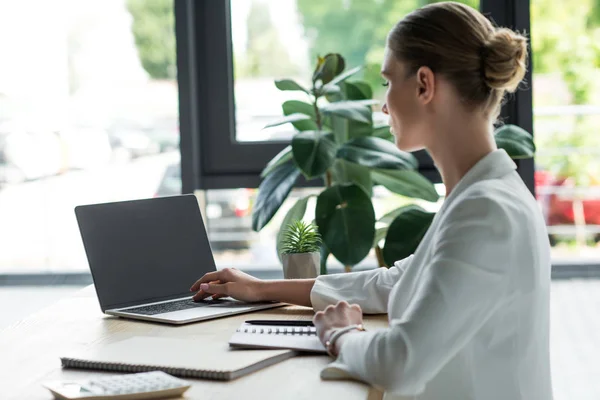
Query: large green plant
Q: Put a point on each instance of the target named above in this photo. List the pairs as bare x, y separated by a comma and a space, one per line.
338, 142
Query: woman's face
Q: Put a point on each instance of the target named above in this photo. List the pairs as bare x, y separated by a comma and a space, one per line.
404, 105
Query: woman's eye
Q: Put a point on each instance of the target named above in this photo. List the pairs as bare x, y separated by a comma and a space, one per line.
385, 83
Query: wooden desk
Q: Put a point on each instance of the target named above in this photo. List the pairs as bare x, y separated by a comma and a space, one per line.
30, 351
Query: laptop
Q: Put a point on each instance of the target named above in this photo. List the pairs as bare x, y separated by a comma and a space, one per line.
144, 255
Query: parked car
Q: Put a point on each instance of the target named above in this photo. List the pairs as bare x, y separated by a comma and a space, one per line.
135, 138
227, 214
165, 132
557, 201
28, 153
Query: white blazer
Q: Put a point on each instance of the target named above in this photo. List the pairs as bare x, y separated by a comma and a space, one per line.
468, 311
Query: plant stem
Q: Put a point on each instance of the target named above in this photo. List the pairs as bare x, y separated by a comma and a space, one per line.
317, 113
379, 255
328, 178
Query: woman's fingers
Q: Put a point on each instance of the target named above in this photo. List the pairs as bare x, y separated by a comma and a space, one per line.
224, 275
201, 295
211, 276
216, 288
208, 289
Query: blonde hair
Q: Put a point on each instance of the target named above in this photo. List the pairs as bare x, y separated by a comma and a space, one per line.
481, 61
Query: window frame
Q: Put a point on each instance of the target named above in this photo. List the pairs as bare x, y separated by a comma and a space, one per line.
211, 157
518, 110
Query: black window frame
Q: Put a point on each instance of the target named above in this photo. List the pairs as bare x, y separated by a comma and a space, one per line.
211, 158
518, 110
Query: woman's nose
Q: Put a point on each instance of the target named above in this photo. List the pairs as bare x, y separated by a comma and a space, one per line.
384, 109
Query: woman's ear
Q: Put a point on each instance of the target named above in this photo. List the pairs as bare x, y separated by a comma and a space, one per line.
425, 84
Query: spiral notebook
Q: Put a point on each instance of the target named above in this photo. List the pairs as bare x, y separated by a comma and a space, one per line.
277, 334
204, 358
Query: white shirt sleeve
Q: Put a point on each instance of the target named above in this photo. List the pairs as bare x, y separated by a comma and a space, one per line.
458, 291
370, 289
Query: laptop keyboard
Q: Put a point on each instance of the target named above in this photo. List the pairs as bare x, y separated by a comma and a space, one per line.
183, 305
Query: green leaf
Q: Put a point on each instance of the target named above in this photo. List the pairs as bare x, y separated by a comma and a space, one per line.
300, 237
332, 89
375, 152
329, 90
391, 216
405, 233
300, 107
290, 118
329, 67
383, 132
288, 84
337, 89
354, 110
339, 126
379, 235
295, 213
314, 152
346, 221
345, 75
517, 142
272, 192
358, 90
296, 106
366, 102
345, 172
358, 129
333, 97
283, 156
406, 183
345, 129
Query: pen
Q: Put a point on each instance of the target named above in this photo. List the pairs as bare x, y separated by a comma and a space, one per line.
280, 322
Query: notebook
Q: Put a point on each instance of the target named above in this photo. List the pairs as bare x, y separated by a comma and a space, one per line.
280, 334
188, 358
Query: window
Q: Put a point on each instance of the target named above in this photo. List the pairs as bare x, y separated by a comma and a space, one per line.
566, 115
259, 41
273, 39
88, 114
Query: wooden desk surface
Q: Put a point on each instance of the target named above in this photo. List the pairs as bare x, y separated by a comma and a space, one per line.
30, 351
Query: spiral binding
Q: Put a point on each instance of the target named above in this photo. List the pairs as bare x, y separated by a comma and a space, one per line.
120, 367
309, 331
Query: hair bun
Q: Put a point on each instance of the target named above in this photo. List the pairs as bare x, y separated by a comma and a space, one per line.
504, 59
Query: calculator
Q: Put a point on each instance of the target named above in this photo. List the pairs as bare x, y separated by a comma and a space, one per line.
146, 385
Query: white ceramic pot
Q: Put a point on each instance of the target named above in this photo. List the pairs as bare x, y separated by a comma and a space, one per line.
301, 265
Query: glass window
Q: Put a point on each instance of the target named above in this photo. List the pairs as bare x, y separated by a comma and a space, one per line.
566, 60
274, 39
88, 114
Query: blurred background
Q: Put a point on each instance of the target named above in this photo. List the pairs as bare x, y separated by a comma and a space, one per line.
89, 114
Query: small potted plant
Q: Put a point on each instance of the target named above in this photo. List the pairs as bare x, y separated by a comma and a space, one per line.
300, 251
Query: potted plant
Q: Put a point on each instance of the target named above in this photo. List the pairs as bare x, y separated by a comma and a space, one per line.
338, 145
300, 251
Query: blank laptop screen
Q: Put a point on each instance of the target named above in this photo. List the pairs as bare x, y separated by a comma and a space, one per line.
144, 250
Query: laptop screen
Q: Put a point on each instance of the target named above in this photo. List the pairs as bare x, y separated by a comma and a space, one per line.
144, 250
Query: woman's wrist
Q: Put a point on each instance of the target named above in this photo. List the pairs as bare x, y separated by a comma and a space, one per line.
337, 335
293, 291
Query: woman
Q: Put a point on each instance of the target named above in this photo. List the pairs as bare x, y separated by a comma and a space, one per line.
469, 310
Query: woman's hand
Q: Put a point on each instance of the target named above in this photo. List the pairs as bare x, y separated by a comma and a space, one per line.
228, 282
336, 317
